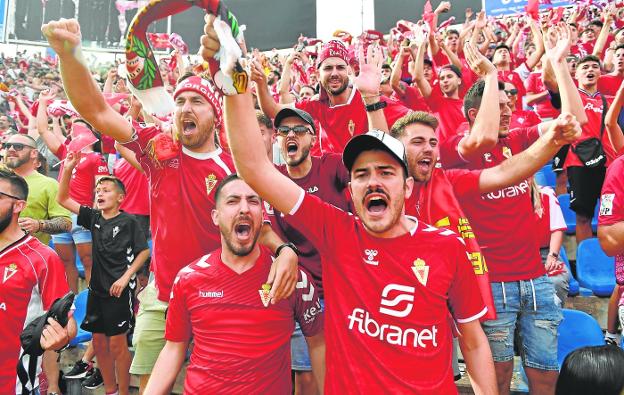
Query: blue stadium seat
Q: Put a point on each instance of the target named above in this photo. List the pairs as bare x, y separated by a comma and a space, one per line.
594, 222
568, 215
595, 270
578, 329
79, 314
574, 285
546, 177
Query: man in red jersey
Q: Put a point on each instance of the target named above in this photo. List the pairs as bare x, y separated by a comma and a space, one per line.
182, 181
389, 279
33, 277
339, 108
608, 84
241, 342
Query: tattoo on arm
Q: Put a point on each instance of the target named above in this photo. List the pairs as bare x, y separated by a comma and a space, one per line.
403, 87
56, 225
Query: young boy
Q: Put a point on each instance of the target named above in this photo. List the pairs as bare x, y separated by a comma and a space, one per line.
119, 251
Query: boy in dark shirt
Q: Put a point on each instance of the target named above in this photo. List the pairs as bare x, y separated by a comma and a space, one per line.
119, 251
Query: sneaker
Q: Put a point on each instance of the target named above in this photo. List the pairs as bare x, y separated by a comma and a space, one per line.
94, 381
80, 370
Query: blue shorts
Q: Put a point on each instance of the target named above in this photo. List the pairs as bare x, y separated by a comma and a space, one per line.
78, 234
299, 356
531, 306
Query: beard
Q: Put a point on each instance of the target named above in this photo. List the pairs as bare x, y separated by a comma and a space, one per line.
305, 152
337, 91
6, 220
15, 162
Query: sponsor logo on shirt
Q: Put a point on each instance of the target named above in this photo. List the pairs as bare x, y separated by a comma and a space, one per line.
308, 288
313, 189
606, 204
9, 272
310, 314
589, 106
512, 191
370, 257
211, 294
396, 306
487, 156
174, 163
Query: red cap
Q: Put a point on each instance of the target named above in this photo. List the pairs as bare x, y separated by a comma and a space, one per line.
333, 49
204, 88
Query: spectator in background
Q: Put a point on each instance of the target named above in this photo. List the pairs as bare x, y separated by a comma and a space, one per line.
519, 117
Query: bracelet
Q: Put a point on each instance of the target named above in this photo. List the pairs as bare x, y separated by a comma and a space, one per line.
380, 105
289, 245
553, 254
40, 226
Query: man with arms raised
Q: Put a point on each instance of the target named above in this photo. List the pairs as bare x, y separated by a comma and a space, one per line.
182, 182
241, 342
389, 314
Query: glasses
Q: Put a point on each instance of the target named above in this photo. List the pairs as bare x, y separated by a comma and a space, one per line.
299, 130
10, 196
16, 146
511, 92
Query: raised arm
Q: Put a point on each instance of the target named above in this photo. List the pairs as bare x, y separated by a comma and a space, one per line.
601, 41
419, 62
265, 99
84, 94
557, 44
484, 130
368, 82
564, 130
48, 137
284, 84
611, 120
63, 197
538, 41
399, 86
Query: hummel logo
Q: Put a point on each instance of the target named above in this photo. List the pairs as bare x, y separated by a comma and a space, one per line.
211, 294
115, 231
122, 323
370, 257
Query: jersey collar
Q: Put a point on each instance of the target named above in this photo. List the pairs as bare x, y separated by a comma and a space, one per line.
202, 155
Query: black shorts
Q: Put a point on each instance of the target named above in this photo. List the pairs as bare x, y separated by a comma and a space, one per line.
585, 186
109, 315
559, 159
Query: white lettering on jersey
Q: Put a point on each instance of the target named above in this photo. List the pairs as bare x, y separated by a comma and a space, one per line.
606, 204
589, 106
406, 294
304, 284
512, 191
370, 257
211, 294
313, 189
392, 334
312, 312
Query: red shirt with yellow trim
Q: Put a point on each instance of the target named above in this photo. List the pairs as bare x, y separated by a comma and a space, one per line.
387, 326
33, 277
240, 346
182, 191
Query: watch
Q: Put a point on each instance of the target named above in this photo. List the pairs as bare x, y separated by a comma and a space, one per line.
553, 254
289, 245
376, 106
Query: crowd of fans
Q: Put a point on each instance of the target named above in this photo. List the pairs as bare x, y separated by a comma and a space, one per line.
428, 122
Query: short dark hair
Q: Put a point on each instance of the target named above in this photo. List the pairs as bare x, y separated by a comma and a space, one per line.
473, 97
502, 46
621, 46
116, 181
228, 179
592, 370
386, 66
596, 22
263, 119
19, 186
428, 62
415, 117
185, 76
451, 31
587, 59
453, 68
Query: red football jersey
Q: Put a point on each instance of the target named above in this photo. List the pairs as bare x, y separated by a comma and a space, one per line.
544, 108
609, 84
137, 188
503, 221
33, 277
412, 99
612, 201
82, 182
182, 198
388, 302
343, 121
448, 111
551, 218
523, 119
593, 109
240, 346
514, 78
328, 179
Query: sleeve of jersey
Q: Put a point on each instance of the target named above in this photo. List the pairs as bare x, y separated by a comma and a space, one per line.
320, 222
465, 182
464, 296
178, 326
393, 111
61, 153
557, 222
449, 152
85, 216
53, 284
612, 195
143, 133
308, 311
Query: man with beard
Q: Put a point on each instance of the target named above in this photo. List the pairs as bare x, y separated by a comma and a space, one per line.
33, 277
339, 108
325, 177
182, 181
42, 217
377, 265
241, 342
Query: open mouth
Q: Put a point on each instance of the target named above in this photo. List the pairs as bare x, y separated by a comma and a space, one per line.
376, 204
100, 201
242, 230
424, 165
188, 127
291, 147
591, 76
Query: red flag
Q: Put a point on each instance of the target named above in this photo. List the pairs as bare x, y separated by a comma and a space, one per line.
428, 14
557, 15
532, 9
114, 98
82, 137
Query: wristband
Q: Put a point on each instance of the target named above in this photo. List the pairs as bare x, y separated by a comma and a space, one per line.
553, 254
376, 106
289, 245
65, 347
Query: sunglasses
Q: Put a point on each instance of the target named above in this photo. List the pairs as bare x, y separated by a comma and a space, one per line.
11, 196
511, 92
16, 146
299, 130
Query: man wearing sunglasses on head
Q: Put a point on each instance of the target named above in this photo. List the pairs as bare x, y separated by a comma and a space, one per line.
519, 118
325, 177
